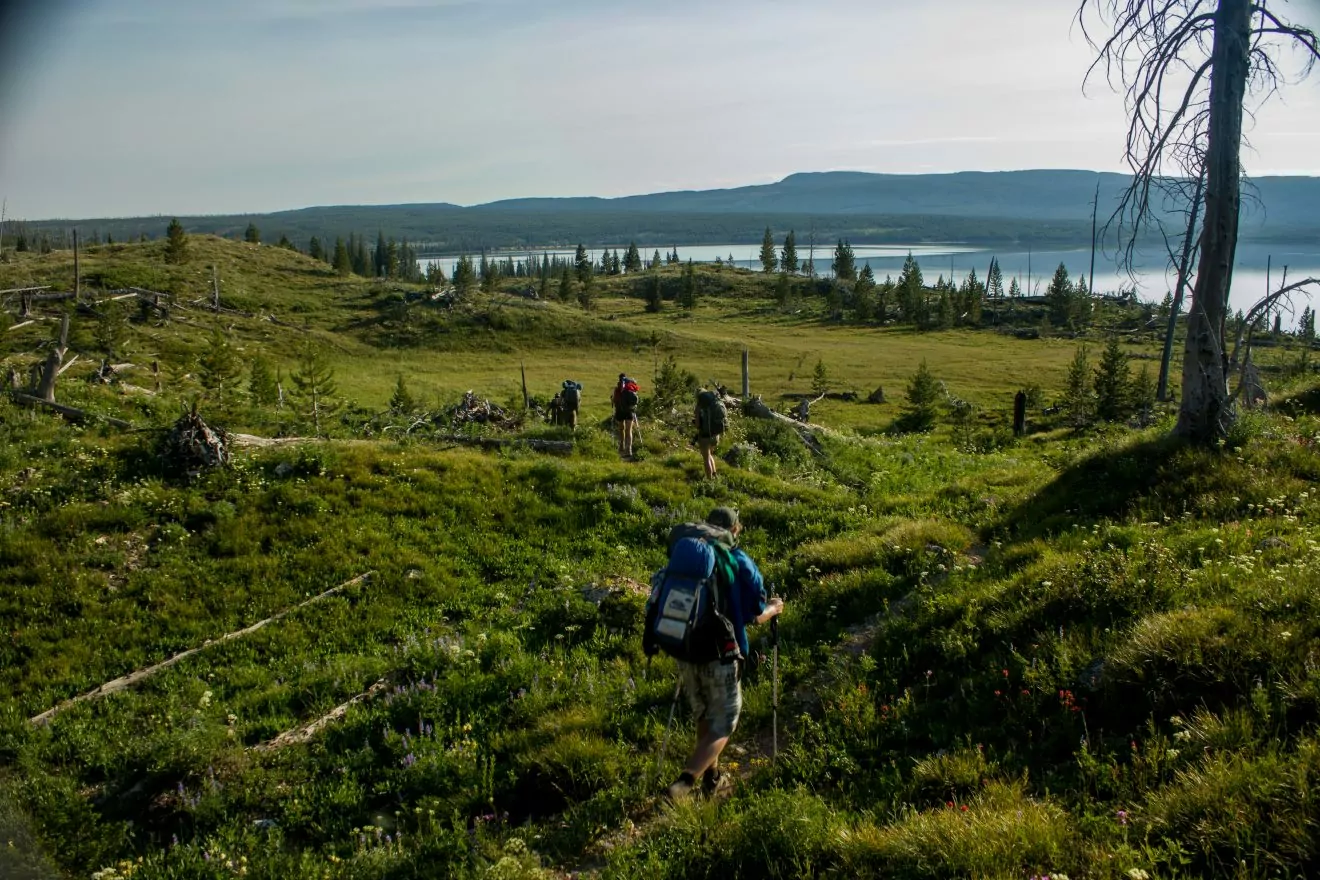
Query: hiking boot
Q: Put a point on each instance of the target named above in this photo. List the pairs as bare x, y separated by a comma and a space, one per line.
715, 784
681, 788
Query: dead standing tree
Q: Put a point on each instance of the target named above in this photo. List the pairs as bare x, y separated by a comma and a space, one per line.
1188, 67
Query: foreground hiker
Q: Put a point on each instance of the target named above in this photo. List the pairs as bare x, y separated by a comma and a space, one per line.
712, 418
625, 399
570, 397
700, 605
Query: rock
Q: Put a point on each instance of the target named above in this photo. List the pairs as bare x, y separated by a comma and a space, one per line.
876, 396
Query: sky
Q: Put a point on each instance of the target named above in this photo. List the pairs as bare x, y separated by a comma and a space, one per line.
176, 107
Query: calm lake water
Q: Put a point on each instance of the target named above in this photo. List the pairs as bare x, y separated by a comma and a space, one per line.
1033, 269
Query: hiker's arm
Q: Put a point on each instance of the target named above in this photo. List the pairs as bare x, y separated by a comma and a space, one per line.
772, 609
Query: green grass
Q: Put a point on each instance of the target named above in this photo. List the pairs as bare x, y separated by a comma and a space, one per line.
1079, 653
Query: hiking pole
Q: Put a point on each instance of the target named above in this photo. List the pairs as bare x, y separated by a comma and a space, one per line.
774, 699
664, 744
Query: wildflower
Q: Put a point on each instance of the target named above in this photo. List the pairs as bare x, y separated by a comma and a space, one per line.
964, 808
1122, 817
1137, 874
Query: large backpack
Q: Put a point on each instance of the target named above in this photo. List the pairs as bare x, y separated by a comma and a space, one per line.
712, 417
571, 396
628, 396
687, 615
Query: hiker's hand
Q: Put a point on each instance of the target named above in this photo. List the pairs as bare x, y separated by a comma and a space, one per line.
773, 609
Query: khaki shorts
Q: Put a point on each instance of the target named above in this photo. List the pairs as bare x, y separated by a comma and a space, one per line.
715, 694
705, 443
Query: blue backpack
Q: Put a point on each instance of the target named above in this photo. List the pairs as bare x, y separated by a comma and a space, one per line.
687, 613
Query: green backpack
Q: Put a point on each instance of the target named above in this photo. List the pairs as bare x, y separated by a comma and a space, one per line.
712, 417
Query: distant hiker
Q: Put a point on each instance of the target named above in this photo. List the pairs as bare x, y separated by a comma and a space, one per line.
700, 605
625, 399
556, 410
570, 398
712, 418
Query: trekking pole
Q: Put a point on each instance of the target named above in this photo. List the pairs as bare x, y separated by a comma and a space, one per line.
664, 744
774, 699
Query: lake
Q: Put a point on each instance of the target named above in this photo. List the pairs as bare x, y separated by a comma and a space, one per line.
1033, 269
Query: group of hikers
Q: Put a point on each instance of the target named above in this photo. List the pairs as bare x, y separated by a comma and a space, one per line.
710, 416
702, 600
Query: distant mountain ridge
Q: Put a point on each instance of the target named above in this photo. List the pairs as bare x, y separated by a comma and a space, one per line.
1036, 206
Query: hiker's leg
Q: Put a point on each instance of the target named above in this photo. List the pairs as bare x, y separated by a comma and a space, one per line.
723, 705
707, 753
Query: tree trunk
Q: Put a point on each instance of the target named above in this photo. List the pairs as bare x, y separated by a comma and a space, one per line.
51, 370
1206, 411
1162, 389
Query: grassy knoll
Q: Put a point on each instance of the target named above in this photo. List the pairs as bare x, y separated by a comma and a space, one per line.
1079, 653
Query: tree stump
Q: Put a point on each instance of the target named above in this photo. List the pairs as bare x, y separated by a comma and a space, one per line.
192, 446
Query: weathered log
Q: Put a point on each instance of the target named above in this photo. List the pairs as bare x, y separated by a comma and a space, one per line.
253, 441
757, 408
69, 412
302, 734
26, 323
51, 369
133, 678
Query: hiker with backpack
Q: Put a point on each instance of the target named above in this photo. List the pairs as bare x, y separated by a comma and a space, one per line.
570, 397
700, 605
712, 418
625, 400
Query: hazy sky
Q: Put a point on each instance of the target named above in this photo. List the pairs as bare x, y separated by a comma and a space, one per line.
213, 106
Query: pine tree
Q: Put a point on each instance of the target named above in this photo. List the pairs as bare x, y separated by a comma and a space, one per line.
994, 281
262, 385
1143, 395
565, 285
379, 256
586, 295
784, 292
217, 368
655, 259
970, 299
769, 262
1113, 384
314, 249
110, 329
864, 295
361, 261
252, 235
820, 378
845, 264
1078, 396
789, 260
911, 291
343, 264
632, 260
286, 244
673, 256
1059, 298
176, 243
923, 395
402, 400
314, 386
1014, 292
464, 275
654, 294
687, 295
582, 262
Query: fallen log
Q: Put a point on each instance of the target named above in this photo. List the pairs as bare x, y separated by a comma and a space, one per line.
69, 412
501, 442
253, 441
757, 408
133, 678
26, 323
303, 734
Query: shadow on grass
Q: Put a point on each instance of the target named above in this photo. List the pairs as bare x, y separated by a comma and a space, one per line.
1112, 484
1303, 402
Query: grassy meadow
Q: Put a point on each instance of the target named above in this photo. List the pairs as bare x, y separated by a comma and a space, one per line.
1089, 654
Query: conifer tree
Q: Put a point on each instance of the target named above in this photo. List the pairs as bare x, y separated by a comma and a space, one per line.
820, 378
1059, 298
314, 386
262, 385
586, 295
864, 295
176, 243
380, 261
1143, 395
1113, 384
632, 260
1014, 292
687, 294
401, 401
655, 259
582, 262
845, 264
252, 235
464, 275
923, 395
217, 368
343, 264
994, 281
673, 256
789, 261
911, 291
1078, 395
565, 285
654, 294
314, 249
768, 259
